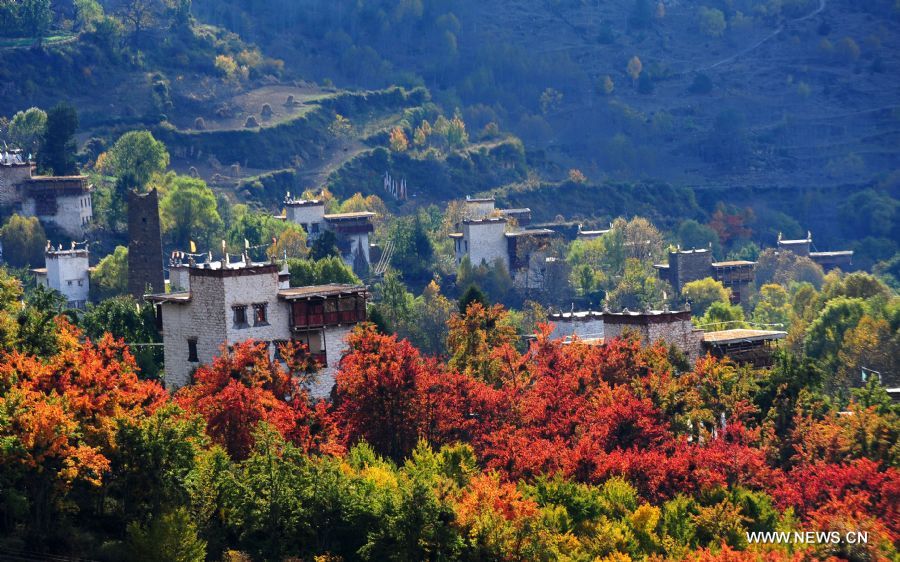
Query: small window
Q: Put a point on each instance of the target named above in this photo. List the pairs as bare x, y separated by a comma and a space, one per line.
278, 345
240, 315
69, 282
304, 226
260, 314
192, 350
81, 282
314, 228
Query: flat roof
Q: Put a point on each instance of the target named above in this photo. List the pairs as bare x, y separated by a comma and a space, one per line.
733, 263
177, 298
479, 199
533, 232
484, 220
455, 235
739, 335
328, 290
803, 241
578, 314
835, 254
346, 216
516, 211
592, 232
304, 202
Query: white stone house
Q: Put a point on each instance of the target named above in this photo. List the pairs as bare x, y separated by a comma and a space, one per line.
227, 304
68, 272
352, 230
61, 201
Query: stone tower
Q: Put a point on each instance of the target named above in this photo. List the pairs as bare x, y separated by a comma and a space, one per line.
145, 260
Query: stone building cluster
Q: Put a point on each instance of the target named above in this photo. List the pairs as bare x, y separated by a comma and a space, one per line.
220, 303
828, 260
63, 202
690, 265
487, 235
351, 230
673, 328
685, 266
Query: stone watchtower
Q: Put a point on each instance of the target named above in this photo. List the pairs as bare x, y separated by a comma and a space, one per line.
145, 259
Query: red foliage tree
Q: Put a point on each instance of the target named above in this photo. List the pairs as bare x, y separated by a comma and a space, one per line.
245, 386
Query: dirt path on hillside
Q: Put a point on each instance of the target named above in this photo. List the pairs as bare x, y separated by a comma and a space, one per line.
314, 175
765, 39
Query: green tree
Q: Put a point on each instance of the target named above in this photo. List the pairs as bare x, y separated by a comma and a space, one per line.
428, 329
87, 14
170, 537
331, 269
110, 277
57, 152
396, 302
133, 322
37, 328
456, 132
722, 316
258, 228
24, 241
711, 21
10, 305
825, 335
27, 129
413, 253
638, 288
774, 306
35, 17
136, 156
692, 234
472, 294
702, 293
324, 245
188, 211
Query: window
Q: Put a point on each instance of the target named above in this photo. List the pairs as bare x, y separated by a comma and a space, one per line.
314, 228
278, 345
69, 282
260, 316
81, 282
192, 350
304, 226
240, 315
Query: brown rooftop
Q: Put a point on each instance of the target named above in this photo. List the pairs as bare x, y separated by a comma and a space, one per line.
741, 335
350, 216
313, 291
177, 298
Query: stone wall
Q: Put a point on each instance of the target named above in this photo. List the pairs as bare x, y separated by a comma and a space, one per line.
11, 179
67, 272
335, 347
179, 278
586, 325
72, 214
486, 241
479, 208
308, 215
145, 261
687, 266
